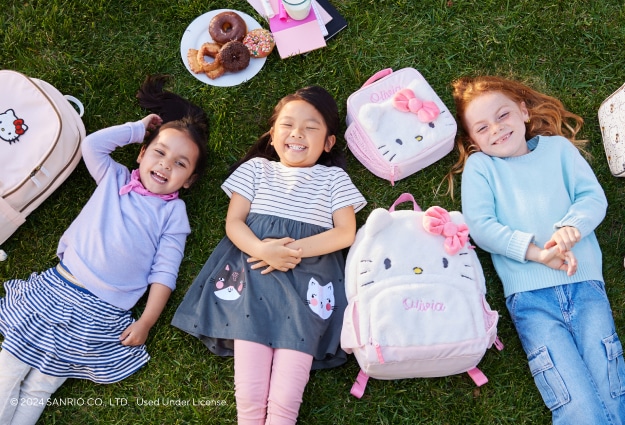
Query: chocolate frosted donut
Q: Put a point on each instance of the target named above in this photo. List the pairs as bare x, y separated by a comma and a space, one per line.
234, 56
227, 26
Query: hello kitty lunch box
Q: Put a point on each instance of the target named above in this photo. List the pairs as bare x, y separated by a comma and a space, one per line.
397, 125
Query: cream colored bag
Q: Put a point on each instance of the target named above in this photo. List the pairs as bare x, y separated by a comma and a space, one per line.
612, 122
40, 136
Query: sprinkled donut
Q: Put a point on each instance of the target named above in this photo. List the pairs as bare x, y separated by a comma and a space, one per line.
259, 42
234, 56
227, 26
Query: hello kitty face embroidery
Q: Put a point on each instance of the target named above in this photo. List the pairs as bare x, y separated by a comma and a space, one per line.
413, 251
229, 284
368, 267
407, 123
11, 127
320, 299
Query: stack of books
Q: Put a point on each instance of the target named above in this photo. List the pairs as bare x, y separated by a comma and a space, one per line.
296, 37
332, 19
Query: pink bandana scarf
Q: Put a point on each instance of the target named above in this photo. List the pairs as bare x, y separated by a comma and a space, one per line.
135, 184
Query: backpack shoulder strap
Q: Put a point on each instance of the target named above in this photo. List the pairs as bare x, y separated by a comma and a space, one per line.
404, 197
478, 376
358, 389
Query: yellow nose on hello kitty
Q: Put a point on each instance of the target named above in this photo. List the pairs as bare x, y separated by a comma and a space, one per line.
417, 270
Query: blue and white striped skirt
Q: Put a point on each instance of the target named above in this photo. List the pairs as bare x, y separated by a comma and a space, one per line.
63, 330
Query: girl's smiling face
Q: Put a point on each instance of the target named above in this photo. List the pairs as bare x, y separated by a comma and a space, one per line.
299, 135
496, 125
168, 163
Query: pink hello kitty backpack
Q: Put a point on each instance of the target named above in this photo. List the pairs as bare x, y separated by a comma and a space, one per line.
397, 125
40, 135
416, 297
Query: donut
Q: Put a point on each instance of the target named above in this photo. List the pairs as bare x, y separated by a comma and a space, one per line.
259, 42
227, 26
216, 73
234, 56
208, 49
193, 63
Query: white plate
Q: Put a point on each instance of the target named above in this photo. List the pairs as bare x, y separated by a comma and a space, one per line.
197, 34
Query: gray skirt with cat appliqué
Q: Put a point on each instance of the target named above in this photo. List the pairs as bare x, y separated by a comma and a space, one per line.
301, 309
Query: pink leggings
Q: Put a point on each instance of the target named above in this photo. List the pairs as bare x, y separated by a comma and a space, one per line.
269, 383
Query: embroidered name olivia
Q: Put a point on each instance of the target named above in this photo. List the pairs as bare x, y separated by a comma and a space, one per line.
420, 305
383, 94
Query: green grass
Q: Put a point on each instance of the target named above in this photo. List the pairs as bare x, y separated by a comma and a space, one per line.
100, 51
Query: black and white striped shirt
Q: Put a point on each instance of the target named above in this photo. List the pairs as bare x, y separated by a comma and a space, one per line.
309, 194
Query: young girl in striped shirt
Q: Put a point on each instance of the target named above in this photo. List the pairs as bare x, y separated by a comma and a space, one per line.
74, 320
272, 291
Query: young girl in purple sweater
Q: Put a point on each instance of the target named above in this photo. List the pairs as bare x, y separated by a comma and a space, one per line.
73, 320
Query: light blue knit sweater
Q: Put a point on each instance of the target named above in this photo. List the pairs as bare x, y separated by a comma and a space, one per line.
510, 202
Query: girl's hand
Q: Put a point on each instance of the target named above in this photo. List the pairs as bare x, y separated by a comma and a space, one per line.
564, 239
276, 256
559, 261
135, 334
151, 123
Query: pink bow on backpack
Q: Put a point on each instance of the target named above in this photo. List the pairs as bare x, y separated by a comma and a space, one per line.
406, 101
436, 220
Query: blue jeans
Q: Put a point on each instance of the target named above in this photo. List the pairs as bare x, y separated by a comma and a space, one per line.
574, 353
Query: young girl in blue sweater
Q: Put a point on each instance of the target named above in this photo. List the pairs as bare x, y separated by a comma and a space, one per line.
533, 202
74, 320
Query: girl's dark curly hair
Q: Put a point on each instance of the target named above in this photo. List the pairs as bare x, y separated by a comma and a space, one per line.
177, 113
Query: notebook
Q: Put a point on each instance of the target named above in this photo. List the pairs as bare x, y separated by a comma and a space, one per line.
296, 37
333, 20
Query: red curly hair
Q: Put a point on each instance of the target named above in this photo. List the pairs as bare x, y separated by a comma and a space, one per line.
548, 117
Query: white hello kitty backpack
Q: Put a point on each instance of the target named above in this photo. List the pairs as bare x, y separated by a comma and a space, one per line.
416, 297
397, 125
40, 136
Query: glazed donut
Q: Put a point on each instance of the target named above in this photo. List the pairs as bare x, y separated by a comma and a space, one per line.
234, 56
208, 49
216, 73
227, 26
259, 42
193, 63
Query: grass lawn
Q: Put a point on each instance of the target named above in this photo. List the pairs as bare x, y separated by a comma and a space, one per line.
100, 51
